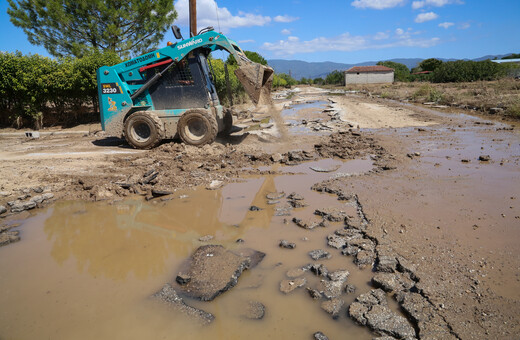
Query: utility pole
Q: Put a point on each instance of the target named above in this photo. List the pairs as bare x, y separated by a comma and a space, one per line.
193, 18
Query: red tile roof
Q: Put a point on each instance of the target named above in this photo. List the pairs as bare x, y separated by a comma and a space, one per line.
362, 69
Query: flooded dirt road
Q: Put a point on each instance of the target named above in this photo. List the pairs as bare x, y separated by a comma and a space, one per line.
442, 223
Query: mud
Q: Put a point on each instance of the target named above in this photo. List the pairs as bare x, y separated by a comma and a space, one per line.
437, 228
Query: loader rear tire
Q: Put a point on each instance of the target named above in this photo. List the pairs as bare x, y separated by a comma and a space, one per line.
143, 130
197, 127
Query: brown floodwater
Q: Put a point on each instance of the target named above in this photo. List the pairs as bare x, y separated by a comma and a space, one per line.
87, 270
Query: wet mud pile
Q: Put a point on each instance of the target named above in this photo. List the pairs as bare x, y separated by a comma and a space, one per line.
174, 166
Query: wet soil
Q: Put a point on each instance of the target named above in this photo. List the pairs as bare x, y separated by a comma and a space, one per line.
427, 199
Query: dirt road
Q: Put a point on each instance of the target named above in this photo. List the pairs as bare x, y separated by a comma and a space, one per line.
442, 194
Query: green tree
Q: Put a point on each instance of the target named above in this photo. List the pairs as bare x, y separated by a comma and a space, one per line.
430, 64
512, 56
69, 27
289, 81
401, 71
335, 77
318, 81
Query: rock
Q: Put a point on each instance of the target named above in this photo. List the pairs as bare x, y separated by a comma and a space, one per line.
494, 110
319, 269
168, 295
183, 278
214, 185
3, 209
335, 241
386, 260
364, 258
297, 203
4, 194
295, 197
431, 325
37, 190
320, 336
275, 195
350, 288
287, 286
314, 293
7, 237
159, 193
318, 254
213, 270
253, 310
484, 158
331, 214
371, 309
101, 194
41, 198
389, 282
271, 202
206, 238
254, 256
465, 160
276, 157
333, 307
19, 206
335, 287
296, 272
318, 169
254, 208
286, 244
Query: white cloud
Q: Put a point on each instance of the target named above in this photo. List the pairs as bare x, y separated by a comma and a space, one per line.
207, 16
446, 25
285, 31
246, 41
464, 26
435, 3
381, 36
284, 18
348, 43
423, 17
377, 4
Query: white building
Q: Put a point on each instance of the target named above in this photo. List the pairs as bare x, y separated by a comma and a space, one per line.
369, 75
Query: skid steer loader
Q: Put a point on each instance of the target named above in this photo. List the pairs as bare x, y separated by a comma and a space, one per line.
171, 92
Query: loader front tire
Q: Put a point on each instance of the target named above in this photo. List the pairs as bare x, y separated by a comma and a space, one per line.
197, 127
143, 130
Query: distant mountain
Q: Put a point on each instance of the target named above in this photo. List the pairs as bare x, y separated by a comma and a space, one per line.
299, 69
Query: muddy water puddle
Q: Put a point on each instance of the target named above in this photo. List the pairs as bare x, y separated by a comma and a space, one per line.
87, 270
295, 114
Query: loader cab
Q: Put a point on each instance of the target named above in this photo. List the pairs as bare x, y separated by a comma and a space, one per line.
188, 84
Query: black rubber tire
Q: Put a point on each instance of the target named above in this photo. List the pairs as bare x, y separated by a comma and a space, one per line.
197, 127
143, 130
228, 122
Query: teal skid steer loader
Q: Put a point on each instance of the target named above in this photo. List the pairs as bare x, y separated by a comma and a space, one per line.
170, 92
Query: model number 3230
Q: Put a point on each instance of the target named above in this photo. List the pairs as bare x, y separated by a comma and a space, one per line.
110, 88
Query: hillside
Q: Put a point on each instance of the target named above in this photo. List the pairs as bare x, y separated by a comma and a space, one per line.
299, 68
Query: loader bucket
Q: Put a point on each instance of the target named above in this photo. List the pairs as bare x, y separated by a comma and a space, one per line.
257, 80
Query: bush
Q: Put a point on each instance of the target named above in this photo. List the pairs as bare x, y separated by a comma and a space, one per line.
466, 70
335, 78
34, 88
401, 71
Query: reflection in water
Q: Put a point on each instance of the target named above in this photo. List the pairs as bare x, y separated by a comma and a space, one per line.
137, 237
118, 255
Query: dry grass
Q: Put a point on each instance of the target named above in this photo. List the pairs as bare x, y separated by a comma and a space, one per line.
480, 96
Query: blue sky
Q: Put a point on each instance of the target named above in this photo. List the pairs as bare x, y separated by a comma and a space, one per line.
347, 31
